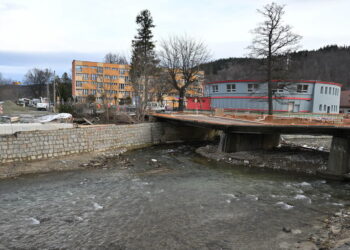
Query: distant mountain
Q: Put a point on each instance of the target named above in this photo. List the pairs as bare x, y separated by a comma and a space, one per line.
330, 63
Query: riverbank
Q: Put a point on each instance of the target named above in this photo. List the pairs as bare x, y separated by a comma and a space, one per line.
301, 154
66, 163
129, 201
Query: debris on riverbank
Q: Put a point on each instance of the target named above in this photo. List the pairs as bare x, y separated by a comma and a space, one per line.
302, 154
286, 157
72, 162
335, 233
102, 160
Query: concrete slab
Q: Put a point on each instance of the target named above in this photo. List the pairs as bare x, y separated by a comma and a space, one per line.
9, 129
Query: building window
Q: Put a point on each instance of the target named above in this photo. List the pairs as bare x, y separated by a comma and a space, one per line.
333, 91
231, 87
85, 91
79, 84
93, 77
122, 86
79, 68
100, 69
322, 90
252, 87
302, 88
326, 90
85, 76
320, 108
324, 107
215, 88
281, 87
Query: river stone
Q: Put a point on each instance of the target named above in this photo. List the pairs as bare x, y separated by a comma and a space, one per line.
296, 231
306, 245
335, 229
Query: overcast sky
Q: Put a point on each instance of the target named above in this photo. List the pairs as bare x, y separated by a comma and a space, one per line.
51, 33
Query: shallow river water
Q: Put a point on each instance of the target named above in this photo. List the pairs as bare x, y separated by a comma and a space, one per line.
178, 200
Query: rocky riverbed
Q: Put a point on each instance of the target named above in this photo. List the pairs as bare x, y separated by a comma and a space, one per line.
303, 154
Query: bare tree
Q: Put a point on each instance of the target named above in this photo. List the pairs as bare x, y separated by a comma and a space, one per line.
161, 85
272, 39
116, 58
39, 78
181, 57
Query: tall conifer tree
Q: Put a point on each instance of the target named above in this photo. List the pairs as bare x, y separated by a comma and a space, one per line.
143, 61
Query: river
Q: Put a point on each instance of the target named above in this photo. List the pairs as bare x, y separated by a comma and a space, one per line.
164, 197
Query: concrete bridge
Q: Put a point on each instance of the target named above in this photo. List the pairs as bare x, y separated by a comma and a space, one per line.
243, 135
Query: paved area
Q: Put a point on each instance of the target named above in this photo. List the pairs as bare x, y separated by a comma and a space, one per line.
9, 129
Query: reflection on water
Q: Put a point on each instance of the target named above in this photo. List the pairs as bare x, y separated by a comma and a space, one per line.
169, 199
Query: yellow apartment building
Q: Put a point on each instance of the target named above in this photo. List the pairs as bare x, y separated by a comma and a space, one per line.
106, 81
111, 82
196, 89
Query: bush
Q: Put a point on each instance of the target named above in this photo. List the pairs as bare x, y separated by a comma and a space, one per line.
66, 108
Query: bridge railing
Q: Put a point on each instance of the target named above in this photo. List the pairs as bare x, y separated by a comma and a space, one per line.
295, 118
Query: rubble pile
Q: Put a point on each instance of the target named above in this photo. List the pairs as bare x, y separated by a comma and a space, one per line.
102, 160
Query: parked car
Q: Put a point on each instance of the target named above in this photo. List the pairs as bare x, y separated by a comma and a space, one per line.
42, 106
155, 107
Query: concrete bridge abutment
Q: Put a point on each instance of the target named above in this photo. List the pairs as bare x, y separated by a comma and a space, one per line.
339, 156
235, 142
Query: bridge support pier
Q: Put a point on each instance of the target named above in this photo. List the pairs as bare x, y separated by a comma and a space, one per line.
339, 157
235, 142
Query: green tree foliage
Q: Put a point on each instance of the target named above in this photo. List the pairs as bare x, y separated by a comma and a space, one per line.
143, 61
64, 88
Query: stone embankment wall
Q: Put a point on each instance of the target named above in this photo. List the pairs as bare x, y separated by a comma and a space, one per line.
35, 145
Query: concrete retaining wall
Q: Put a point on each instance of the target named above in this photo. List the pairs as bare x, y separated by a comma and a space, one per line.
33, 145
9, 129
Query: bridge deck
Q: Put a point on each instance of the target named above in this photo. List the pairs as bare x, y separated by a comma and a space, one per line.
248, 126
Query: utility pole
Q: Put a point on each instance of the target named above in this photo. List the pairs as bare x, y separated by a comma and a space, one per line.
54, 91
48, 91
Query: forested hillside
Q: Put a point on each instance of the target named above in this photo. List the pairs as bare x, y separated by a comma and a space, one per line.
330, 63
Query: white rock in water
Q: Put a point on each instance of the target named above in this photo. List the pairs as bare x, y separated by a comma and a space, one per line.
154, 160
79, 218
246, 162
304, 184
231, 196
252, 197
97, 206
302, 197
34, 221
337, 204
284, 205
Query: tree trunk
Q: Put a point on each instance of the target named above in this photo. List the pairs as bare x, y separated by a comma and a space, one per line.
182, 99
269, 80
